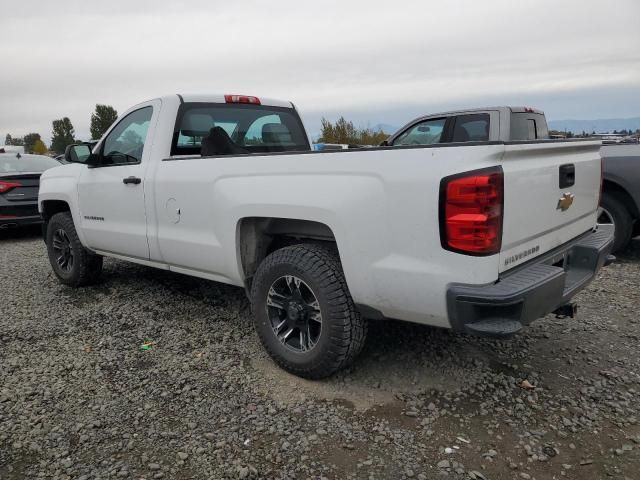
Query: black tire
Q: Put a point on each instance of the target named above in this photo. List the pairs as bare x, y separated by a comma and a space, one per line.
615, 212
85, 267
342, 330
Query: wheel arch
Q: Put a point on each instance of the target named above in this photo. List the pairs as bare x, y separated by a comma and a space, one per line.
48, 208
613, 188
257, 237
51, 206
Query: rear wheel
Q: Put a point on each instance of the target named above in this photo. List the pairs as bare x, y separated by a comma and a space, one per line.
303, 312
73, 264
613, 211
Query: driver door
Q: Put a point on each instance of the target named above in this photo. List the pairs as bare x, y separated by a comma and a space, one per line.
112, 193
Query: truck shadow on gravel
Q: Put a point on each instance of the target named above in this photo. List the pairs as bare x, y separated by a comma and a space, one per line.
399, 360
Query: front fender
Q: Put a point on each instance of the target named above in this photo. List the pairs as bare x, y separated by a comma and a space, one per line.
61, 184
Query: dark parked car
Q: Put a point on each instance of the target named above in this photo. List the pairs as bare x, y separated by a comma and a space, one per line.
19, 183
621, 191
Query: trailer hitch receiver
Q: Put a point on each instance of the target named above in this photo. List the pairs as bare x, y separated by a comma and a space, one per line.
567, 310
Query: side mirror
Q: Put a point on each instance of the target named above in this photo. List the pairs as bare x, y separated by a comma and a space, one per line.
384, 143
424, 128
77, 153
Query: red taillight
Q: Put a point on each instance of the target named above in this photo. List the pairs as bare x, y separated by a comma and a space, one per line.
6, 186
471, 211
241, 99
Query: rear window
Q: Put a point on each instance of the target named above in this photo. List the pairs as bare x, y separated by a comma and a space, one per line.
219, 129
11, 163
528, 126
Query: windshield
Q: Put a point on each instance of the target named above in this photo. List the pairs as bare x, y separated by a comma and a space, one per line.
11, 163
219, 129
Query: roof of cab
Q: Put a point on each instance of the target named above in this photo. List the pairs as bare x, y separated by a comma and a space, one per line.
487, 109
219, 98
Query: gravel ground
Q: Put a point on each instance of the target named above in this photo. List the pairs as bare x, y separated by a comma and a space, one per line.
80, 398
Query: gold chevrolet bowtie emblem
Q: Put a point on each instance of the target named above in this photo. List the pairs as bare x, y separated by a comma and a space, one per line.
566, 200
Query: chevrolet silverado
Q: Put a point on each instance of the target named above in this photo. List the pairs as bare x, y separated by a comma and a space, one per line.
483, 230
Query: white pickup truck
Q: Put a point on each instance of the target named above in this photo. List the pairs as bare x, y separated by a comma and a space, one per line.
452, 224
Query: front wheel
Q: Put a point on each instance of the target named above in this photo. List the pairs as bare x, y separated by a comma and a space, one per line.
73, 264
303, 312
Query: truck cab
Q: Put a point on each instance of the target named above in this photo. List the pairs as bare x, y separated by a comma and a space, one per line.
488, 124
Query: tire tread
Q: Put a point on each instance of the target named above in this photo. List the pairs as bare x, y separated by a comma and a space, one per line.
348, 328
88, 265
622, 220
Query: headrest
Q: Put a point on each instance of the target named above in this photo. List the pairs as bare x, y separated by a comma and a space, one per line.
275, 133
218, 142
196, 125
460, 134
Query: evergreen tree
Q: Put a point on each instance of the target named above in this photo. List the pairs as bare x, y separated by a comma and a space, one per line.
62, 135
101, 120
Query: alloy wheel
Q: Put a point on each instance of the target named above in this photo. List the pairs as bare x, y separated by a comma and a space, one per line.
63, 250
294, 312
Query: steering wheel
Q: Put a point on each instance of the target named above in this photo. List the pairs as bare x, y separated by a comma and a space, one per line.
128, 158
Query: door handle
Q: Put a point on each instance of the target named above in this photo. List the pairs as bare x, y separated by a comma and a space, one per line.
567, 175
133, 180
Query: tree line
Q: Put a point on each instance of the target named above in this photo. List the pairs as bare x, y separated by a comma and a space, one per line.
343, 131
63, 133
31, 142
587, 134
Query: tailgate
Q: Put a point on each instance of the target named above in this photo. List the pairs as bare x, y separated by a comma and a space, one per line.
551, 193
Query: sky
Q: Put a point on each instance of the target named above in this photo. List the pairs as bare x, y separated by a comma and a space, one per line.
372, 62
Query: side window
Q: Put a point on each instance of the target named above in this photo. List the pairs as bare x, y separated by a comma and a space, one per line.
531, 129
471, 128
528, 126
125, 143
427, 132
